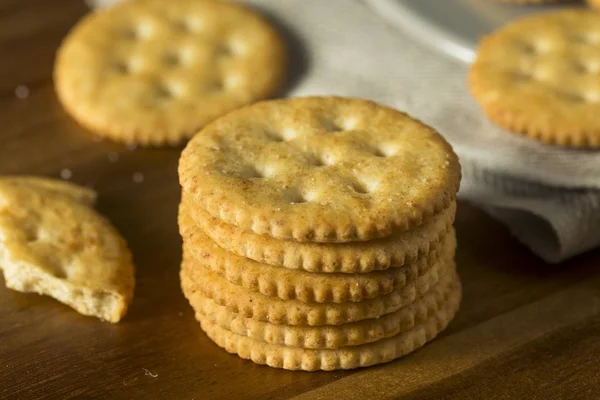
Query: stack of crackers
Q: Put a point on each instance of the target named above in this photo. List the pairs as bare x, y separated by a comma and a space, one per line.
318, 233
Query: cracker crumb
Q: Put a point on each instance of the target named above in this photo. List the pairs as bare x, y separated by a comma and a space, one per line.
22, 92
148, 373
66, 174
113, 156
127, 383
138, 177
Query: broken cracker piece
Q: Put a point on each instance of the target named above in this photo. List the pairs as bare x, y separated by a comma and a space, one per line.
53, 243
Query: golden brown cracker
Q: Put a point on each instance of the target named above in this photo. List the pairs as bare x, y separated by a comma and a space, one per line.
298, 358
307, 287
418, 246
538, 76
331, 336
153, 72
55, 244
293, 312
319, 169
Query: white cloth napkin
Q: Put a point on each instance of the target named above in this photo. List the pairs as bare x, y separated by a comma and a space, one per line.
546, 195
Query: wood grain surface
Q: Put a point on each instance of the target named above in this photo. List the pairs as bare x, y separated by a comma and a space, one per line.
526, 330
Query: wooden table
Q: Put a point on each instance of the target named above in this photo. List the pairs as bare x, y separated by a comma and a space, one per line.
526, 329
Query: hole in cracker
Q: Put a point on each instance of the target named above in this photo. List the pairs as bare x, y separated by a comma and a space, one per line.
164, 92
359, 187
131, 34
274, 136
140, 31
319, 160
522, 76
294, 196
535, 48
172, 59
591, 38
121, 67
331, 126
377, 152
573, 97
32, 234
188, 25
586, 67
249, 172
59, 273
224, 49
316, 161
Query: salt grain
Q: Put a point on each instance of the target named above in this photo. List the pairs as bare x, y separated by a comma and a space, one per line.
22, 92
138, 177
66, 174
113, 157
132, 146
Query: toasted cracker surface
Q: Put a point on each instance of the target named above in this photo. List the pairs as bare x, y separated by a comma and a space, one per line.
153, 72
333, 336
319, 169
419, 245
53, 243
538, 76
298, 358
255, 305
276, 281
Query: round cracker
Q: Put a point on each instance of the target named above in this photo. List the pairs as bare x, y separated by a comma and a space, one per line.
333, 336
418, 246
255, 305
538, 76
297, 358
307, 287
153, 72
319, 169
